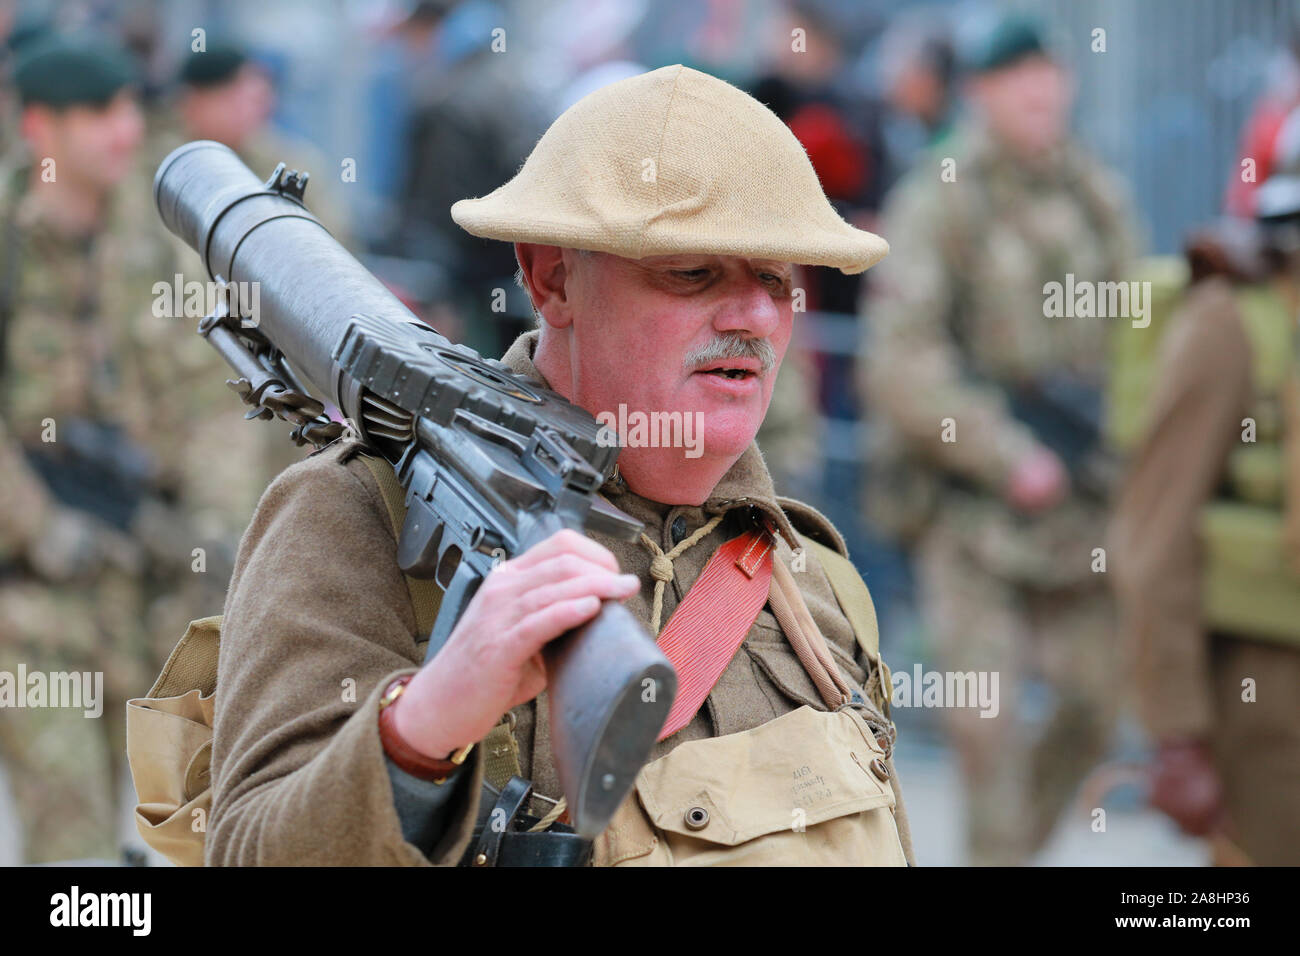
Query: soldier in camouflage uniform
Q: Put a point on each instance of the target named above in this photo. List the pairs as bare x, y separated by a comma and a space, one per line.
69, 599
98, 452
985, 424
222, 95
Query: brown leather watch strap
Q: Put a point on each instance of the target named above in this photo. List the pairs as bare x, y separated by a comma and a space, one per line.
403, 754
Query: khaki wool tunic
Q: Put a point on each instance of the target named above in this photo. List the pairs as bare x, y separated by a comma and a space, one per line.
317, 604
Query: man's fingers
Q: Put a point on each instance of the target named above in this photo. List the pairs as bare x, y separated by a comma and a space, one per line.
516, 582
535, 630
567, 541
601, 584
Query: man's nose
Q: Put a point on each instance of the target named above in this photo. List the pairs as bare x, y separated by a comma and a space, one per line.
748, 308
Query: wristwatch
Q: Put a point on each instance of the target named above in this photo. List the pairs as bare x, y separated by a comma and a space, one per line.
402, 753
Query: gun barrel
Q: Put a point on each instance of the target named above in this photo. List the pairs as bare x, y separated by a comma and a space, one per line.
247, 231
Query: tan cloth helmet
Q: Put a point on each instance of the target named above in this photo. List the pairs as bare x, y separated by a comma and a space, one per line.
667, 162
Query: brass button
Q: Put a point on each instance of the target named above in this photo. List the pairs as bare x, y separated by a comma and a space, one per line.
697, 818
879, 769
480, 860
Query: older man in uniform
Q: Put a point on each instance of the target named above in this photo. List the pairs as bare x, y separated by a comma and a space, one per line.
985, 411
656, 224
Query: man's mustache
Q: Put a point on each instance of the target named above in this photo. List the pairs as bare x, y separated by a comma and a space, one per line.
732, 346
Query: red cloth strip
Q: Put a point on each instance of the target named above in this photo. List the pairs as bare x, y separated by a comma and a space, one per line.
710, 624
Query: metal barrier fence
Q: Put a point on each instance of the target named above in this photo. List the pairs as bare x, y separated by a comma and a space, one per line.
1166, 102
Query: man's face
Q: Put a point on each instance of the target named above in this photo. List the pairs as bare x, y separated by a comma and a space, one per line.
917, 91
232, 112
1026, 104
643, 331
94, 145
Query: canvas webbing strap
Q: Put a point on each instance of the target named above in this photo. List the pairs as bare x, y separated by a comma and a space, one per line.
501, 754
426, 596
851, 591
806, 638
855, 601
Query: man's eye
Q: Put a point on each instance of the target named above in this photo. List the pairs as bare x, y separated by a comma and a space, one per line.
776, 281
691, 275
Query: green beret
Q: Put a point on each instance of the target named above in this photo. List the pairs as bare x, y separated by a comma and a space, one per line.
63, 71
1011, 38
30, 27
212, 67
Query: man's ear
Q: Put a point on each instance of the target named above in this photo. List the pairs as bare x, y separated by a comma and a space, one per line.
36, 126
545, 275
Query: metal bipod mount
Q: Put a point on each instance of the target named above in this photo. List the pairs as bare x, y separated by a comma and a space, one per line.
264, 380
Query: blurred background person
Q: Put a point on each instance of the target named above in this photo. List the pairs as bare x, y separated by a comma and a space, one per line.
131, 472
220, 93
988, 419
1260, 137
810, 83
474, 119
917, 71
1206, 536
405, 52
223, 95
76, 474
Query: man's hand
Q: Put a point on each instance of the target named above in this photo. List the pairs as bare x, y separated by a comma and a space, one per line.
1186, 787
1038, 482
492, 660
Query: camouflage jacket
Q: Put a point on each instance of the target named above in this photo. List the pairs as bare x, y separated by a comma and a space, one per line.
69, 304
92, 338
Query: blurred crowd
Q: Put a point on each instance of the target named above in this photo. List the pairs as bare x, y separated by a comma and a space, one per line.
1099, 503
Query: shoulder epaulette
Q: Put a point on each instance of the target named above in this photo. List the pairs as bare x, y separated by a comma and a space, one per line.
811, 523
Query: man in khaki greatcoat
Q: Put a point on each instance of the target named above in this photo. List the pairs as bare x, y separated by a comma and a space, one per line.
656, 225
